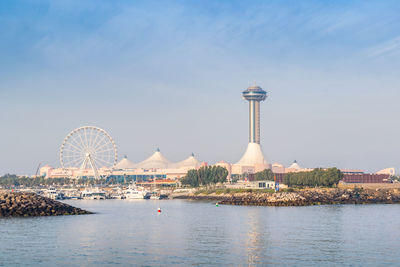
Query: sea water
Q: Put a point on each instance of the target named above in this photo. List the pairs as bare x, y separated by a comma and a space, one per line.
192, 233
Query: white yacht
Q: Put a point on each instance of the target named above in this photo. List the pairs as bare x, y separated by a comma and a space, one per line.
53, 194
132, 192
93, 194
117, 193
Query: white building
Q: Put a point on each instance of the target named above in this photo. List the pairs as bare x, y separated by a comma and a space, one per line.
157, 165
390, 171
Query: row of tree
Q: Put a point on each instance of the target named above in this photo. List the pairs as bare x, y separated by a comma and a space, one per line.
205, 176
265, 175
317, 177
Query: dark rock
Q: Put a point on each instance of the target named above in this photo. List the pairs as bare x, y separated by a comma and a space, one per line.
30, 204
311, 196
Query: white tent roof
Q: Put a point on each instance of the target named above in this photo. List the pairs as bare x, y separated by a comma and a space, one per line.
155, 161
125, 163
295, 166
253, 155
190, 162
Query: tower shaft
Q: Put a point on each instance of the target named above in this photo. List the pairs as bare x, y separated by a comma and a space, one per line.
254, 121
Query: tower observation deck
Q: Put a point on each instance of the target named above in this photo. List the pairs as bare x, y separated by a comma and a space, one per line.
254, 94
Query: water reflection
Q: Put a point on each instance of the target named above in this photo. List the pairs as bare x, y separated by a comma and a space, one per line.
257, 236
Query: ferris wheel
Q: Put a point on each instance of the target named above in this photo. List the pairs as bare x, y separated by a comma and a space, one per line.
89, 147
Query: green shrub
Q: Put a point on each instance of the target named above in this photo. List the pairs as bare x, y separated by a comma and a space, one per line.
205, 176
317, 177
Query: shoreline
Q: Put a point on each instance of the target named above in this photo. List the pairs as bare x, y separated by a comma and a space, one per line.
301, 197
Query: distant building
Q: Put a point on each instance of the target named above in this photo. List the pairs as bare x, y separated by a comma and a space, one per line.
44, 171
155, 161
359, 176
278, 168
156, 166
366, 178
295, 167
350, 171
125, 163
389, 171
253, 185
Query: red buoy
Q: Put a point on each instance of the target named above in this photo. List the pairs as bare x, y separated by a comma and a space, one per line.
159, 210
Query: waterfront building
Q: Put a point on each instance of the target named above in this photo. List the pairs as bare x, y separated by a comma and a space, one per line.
253, 185
190, 162
366, 178
156, 166
125, 163
295, 167
44, 170
278, 168
389, 171
155, 161
352, 171
359, 176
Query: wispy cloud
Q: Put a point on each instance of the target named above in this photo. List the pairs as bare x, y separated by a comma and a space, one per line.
390, 47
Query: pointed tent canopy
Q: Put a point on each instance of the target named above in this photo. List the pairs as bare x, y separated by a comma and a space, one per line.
253, 155
295, 166
155, 161
125, 163
190, 162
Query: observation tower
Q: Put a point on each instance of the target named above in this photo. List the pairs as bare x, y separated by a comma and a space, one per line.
254, 94
254, 155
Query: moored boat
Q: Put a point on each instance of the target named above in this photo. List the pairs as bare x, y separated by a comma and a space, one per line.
94, 194
133, 192
53, 194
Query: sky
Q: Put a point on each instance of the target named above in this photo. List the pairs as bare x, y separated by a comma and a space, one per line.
169, 74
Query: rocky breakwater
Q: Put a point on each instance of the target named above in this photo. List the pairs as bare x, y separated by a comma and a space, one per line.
304, 197
30, 204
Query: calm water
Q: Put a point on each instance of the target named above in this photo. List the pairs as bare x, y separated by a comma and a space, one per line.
201, 234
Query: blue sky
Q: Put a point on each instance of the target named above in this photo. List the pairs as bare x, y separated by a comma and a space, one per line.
170, 74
